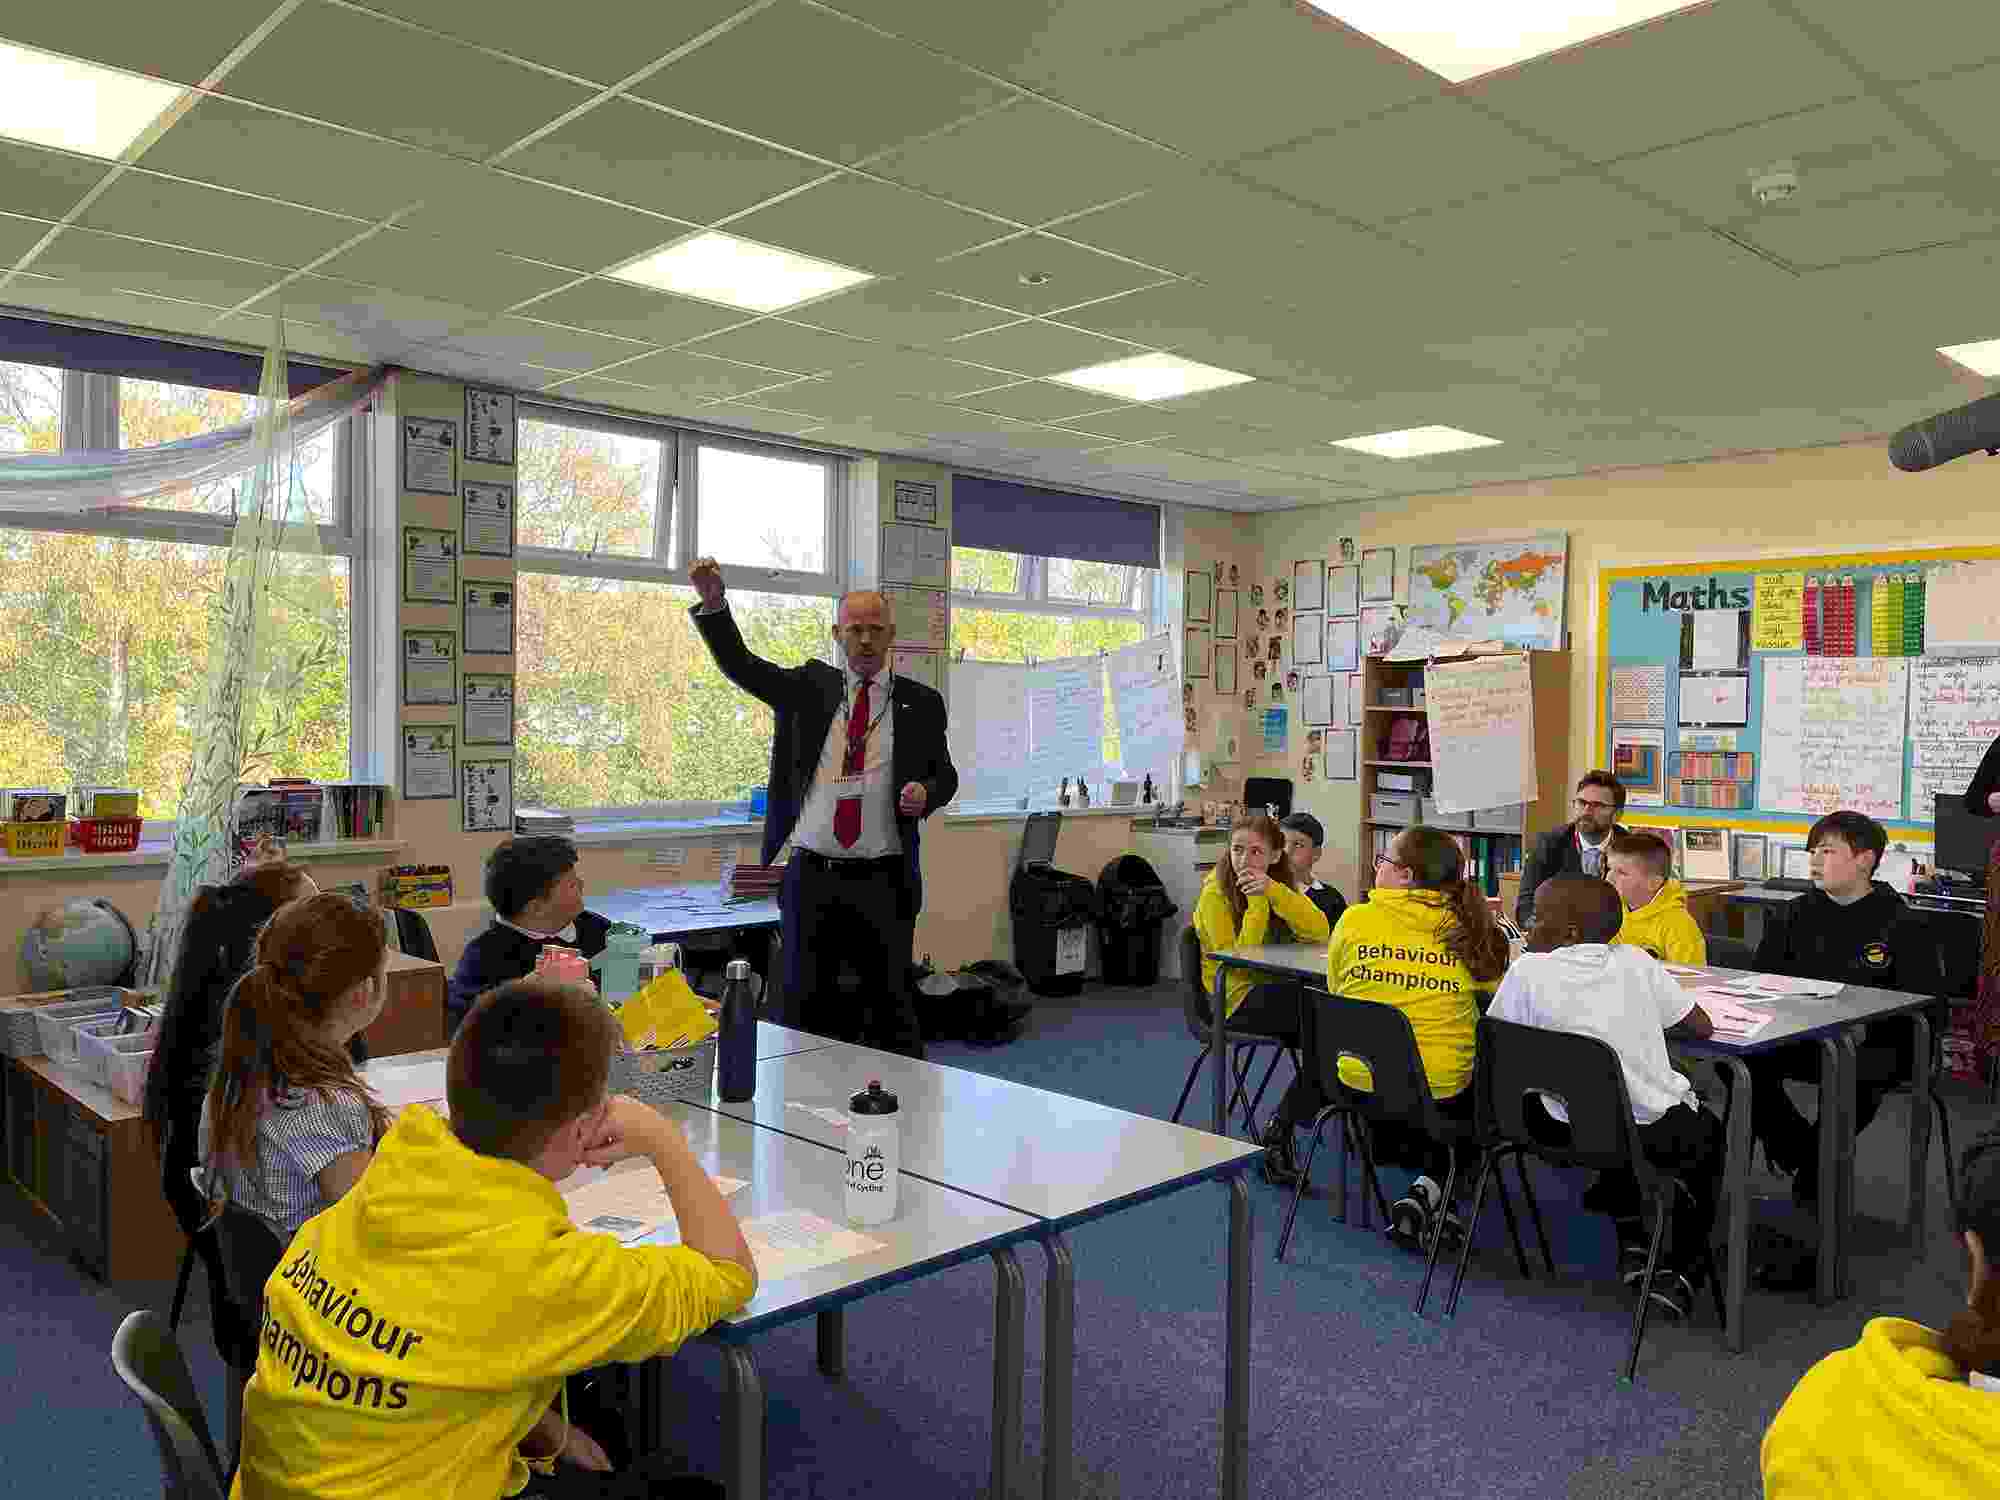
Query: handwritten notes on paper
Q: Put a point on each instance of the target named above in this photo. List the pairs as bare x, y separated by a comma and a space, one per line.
1065, 718
1145, 695
987, 728
1954, 710
1639, 694
918, 615
1833, 734
1777, 623
1482, 720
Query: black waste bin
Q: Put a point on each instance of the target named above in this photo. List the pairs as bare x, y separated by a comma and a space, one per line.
1132, 907
1052, 912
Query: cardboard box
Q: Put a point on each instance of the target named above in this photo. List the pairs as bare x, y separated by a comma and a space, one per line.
416, 887
1393, 807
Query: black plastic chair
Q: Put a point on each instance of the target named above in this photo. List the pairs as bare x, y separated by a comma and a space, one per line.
1726, 952
251, 1251
148, 1360
1871, 1060
1336, 1027
1243, 1045
1521, 1063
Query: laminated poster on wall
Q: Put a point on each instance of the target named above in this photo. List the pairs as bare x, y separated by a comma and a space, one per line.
489, 708
430, 762
1343, 589
1482, 731
1146, 701
1639, 761
1378, 575
1308, 584
430, 565
1316, 701
489, 520
1226, 613
430, 667
1340, 753
1276, 735
489, 426
489, 619
430, 455
1639, 693
1225, 672
1200, 653
489, 796
1200, 597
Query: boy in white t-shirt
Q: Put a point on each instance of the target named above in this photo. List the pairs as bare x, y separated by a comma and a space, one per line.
1572, 979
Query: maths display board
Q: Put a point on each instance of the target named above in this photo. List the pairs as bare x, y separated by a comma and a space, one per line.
1769, 691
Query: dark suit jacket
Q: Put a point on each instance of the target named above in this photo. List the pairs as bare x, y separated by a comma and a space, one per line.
1553, 854
806, 699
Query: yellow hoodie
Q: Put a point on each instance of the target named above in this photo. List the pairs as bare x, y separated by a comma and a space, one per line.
1664, 928
1218, 929
415, 1331
1388, 949
1893, 1415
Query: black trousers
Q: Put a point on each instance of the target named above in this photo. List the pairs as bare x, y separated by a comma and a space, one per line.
1393, 1143
849, 912
1686, 1141
1272, 1009
1886, 1059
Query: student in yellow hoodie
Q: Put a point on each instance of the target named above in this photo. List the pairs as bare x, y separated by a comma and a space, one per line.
1426, 942
416, 1333
1908, 1410
1656, 912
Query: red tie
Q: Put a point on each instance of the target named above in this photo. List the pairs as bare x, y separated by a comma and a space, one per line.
847, 811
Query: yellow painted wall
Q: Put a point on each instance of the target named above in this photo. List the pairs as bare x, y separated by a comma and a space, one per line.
1821, 500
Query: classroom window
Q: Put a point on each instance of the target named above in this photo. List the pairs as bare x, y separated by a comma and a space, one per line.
31, 408
767, 509
595, 487
152, 412
976, 570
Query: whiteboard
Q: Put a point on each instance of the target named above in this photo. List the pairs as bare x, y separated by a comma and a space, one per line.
986, 725
1482, 722
1833, 734
1065, 721
1954, 710
1146, 696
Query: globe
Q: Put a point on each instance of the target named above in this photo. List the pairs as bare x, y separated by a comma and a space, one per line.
76, 944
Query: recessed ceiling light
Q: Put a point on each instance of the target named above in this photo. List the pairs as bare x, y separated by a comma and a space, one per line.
47, 100
1151, 377
1982, 358
740, 273
1461, 39
1417, 442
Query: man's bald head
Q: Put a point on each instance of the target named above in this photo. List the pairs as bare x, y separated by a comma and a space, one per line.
864, 631
873, 599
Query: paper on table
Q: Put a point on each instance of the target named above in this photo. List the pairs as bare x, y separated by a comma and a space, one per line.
408, 1083
632, 1204
1686, 971
1733, 1020
793, 1241
1785, 984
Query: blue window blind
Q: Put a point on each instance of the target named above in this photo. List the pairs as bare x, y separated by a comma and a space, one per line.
97, 352
1002, 516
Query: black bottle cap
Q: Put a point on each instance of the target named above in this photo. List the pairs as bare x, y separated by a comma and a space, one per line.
872, 1101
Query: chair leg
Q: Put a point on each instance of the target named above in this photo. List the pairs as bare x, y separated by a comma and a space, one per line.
1371, 1181
1305, 1175
1277, 1055
1437, 1231
1471, 1224
1188, 1087
1715, 1286
1662, 1211
181, 1288
1240, 1065
1534, 1212
1340, 1176
1513, 1225
1950, 1161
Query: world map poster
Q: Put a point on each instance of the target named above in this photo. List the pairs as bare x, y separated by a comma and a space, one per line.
1508, 591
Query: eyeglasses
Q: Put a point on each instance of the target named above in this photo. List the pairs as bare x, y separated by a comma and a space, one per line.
1589, 804
1394, 864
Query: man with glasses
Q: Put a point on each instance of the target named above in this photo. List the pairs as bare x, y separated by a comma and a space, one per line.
1579, 847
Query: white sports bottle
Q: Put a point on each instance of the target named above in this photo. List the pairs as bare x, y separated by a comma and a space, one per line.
871, 1155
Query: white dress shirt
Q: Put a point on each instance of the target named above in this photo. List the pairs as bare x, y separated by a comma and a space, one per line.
878, 798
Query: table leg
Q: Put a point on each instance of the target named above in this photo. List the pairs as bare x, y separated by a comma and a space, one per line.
1836, 1112
832, 1350
1736, 1184
1010, 1299
1217, 1051
1236, 1373
742, 1425
1058, 1371
1920, 1127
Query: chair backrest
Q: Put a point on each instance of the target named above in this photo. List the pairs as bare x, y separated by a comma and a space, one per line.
1726, 952
148, 1360
251, 1251
1518, 1063
1194, 994
1379, 1036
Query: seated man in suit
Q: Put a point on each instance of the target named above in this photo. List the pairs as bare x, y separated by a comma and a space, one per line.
537, 898
858, 761
1579, 847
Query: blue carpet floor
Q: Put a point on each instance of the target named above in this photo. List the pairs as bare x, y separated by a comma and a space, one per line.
1350, 1392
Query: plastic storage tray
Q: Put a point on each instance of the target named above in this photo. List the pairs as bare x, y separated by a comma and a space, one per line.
1393, 807
99, 1041
55, 1025
684, 1073
19, 1036
126, 1059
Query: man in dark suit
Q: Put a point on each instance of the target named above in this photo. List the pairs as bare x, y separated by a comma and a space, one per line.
1579, 847
858, 761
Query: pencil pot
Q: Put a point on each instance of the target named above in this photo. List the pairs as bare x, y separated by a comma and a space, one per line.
667, 1075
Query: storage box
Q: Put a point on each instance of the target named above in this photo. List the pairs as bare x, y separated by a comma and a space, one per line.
1393, 807
55, 1025
416, 887
679, 1073
1427, 811
119, 1063
106, 835
24, 839
19, 1036
30, 804
1500, 819
99, 1041
105, 802
1397, 781
1396, 697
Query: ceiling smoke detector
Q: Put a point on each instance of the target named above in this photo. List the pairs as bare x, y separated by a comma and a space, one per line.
1775, 183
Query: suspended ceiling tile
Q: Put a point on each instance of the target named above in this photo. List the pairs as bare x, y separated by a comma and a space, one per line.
807, 78
205, 218
896, 312
1140, 423
1250, 78
632, 312
656, 161
1208, 439
870, 226
1928, 298
604, 40
1262, 403
166, 314
446, 269
1880, 223
1435, 152
760, 418
1030, 161
1840, 150
474, 204
1911, 39
526, 341
1681, 77
238, 145
44, 183
419, 88
783, 345
318, 341
478, 369
1327, 464
929, 376
101, 260
614, 392
1041, 349
1073, 275
381, 318
696, 376
1535, 226
1027, 39
829, 399
1963, 107
864, 436
1046, 443
180, 42
18, 236
1039, 401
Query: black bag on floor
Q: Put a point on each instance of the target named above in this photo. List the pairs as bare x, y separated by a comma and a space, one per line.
981, 1003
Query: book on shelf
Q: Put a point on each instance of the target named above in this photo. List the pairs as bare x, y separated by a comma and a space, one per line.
542, 820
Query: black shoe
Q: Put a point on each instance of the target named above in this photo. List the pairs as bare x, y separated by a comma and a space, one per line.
1281, 1161
1673, 1294
1414, 1216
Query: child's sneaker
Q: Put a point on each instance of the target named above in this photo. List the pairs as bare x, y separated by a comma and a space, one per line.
1281, 1162
1413, 1216
1672, 1293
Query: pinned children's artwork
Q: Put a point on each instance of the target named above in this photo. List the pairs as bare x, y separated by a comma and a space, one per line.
1252, 651
1256, 594
1306, 768
1281, 591
1274, 652
1281, 619
1250, 697
1277, 692
1260, 670
1263, 619
1291, 682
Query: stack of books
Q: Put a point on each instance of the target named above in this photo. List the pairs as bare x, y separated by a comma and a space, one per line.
541, 820
753, 882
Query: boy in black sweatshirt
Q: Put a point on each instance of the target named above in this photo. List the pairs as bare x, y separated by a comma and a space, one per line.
1853, 929
537, 898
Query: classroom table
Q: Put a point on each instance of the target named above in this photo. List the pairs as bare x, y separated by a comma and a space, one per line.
1301, 961
673, 912
1063, 1160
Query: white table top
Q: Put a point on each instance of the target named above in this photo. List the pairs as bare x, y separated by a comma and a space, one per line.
773, 1040
1306, 960
1796, 1018
1043, 1153
671, 911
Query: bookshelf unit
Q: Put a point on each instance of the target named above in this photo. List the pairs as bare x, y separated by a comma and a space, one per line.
1496, 849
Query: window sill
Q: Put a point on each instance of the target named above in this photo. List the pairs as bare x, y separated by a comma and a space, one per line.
162, 855
989, 814
653, 830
